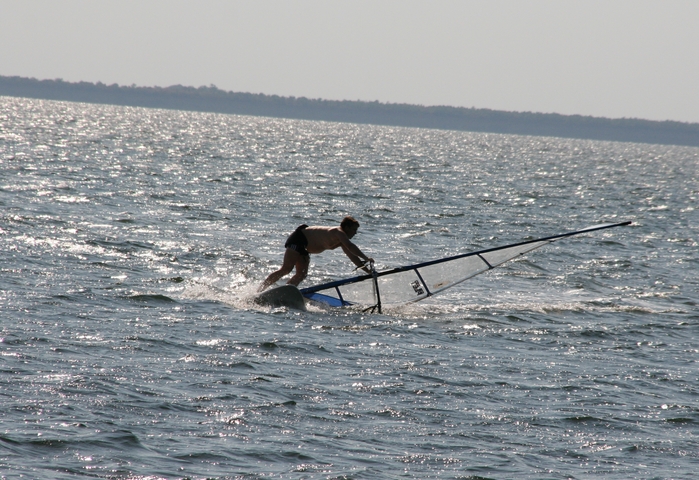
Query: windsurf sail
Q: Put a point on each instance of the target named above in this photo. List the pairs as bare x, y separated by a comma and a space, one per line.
413, 283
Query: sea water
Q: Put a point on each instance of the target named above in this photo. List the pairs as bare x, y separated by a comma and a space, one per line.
132, 239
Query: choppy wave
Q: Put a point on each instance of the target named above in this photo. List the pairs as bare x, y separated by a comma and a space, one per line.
131, 241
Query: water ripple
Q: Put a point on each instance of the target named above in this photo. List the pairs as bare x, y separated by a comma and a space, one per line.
132, 240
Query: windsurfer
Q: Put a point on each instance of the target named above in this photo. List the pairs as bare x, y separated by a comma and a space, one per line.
306, 240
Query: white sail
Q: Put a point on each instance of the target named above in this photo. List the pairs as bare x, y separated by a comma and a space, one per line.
413, 283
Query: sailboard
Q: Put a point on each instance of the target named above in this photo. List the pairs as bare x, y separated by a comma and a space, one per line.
285, 296
412, 283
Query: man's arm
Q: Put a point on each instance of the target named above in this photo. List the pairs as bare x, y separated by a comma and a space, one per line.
356, 259
354, 253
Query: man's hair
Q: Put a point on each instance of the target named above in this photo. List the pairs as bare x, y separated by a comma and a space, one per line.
347, 222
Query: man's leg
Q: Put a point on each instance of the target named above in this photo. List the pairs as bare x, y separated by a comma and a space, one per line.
301, 270
291, 258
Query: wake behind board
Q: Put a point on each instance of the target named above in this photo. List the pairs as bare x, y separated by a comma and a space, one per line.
285, 296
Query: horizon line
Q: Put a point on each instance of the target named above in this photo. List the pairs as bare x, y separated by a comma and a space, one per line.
319, 99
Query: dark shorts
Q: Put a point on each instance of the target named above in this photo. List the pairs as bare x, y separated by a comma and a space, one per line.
297, 241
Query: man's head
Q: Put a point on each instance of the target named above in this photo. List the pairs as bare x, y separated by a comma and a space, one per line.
349, 225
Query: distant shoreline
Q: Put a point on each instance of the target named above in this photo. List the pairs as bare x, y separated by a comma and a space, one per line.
212, 99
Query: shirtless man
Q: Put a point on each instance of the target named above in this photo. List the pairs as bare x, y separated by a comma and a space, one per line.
306, 240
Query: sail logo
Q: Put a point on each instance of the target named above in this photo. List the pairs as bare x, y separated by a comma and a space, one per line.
417, 287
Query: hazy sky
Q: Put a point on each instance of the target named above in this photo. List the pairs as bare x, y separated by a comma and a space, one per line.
610, 58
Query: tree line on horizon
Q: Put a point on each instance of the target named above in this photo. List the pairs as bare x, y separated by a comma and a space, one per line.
213, 99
